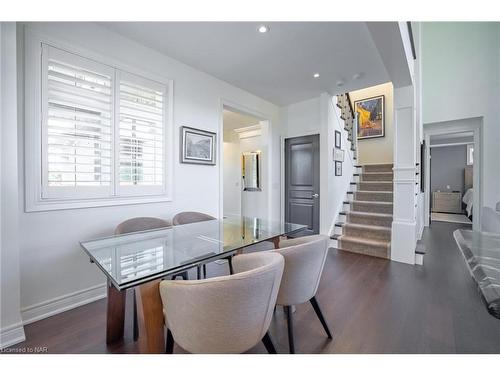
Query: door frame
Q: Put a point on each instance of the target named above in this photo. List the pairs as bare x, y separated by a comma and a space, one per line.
282, 170
475, 125
266, 124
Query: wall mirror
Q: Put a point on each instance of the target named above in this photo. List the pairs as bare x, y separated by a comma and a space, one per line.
251, 165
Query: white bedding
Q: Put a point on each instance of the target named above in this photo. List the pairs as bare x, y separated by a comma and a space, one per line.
468, 199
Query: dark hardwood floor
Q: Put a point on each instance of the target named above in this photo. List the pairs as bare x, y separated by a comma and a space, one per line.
372, 306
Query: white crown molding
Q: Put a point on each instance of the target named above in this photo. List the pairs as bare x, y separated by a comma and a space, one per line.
63, 303
249, 131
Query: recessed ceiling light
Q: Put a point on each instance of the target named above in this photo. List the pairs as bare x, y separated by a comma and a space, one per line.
357, 76
263, 29
316, 75
340, 83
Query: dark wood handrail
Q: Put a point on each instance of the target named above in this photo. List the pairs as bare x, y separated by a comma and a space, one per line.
350, 104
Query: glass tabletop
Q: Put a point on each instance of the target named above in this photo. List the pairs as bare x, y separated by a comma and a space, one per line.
135, 258
481, 251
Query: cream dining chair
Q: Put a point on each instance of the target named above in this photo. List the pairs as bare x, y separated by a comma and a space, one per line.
227, 314
304, 261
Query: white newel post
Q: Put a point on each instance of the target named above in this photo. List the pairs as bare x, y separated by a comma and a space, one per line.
404, 220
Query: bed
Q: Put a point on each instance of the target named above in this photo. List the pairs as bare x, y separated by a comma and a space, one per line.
468, 197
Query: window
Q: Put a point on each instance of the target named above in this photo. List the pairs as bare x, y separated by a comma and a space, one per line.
470, 154
102, 133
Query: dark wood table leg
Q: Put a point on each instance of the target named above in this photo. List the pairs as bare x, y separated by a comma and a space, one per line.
115, 320
276, 242
150, 316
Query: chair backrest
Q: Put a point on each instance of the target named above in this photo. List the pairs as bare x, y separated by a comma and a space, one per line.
304, 261
190, 217
228, 314
138, 224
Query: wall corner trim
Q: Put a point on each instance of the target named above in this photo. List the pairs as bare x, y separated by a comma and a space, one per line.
12, 335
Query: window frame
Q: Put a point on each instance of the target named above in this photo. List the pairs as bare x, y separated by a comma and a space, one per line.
34, 133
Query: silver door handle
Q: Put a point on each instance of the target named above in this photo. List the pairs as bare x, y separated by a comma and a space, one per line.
315, 195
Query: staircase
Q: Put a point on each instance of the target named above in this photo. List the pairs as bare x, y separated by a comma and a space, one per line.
364, 226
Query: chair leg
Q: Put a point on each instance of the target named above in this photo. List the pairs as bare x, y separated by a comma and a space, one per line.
230, 263
198, 272
204, 271
288, 312
169, 345
315, 305
268, 343
136, 324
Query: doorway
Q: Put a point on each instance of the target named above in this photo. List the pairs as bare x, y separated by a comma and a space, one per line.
244, 164
453, 180
302, 183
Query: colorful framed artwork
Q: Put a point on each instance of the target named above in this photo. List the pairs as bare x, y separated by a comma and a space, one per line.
338, 168
371, 117
197, 146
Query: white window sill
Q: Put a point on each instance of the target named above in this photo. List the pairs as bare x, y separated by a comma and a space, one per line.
52, 205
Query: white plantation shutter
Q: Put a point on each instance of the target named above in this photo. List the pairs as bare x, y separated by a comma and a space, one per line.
78, 123
102, 133
141, 140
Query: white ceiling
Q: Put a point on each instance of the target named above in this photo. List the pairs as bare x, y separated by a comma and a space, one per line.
234, 120
278, 65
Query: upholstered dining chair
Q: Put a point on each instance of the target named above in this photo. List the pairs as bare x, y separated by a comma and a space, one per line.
188, 217
138, 224
304, 261
226, 314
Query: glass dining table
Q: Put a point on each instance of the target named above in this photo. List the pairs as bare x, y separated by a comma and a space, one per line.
140, 260
481, 252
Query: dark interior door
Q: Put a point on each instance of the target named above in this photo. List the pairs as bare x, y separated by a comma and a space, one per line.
302, 182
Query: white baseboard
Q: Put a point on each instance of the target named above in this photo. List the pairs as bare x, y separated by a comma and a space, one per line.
63, 303
12, 335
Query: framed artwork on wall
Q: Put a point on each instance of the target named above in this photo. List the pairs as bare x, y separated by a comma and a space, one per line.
338, 168
371, 117
338, 139
338, 155
197, 146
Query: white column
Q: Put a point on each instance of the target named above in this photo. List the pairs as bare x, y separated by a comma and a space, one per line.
11, 327
404, 221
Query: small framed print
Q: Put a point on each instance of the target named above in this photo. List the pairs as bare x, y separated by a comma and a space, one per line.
338, 155
338, 168
338, 139
197, 146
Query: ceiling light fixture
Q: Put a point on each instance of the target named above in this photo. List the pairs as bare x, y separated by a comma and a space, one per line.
263, 29
340, 83
357, 76
316, 75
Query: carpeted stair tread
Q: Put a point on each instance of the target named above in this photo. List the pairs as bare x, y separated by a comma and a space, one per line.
364, 241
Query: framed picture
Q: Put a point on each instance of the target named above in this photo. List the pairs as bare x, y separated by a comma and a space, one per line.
371, 117
338, 168
338, 155
197, 146
338, 139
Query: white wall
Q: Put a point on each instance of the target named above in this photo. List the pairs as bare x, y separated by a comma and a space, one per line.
11, 329
460, 80
254, 203
232, 173
54, 270
236, 200
377, 150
